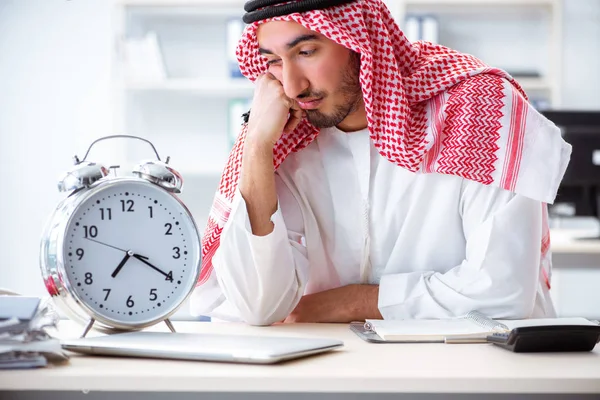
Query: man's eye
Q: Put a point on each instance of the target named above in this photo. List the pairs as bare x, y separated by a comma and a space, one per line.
307, 52
272, 62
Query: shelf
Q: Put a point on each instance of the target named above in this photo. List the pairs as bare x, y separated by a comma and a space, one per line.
481, 3
536, 84
481, 13
197, 87
190, 173
182, 3
240, 3
186, 12
184, 8
475, 7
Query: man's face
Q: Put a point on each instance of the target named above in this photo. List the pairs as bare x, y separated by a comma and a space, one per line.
320, 74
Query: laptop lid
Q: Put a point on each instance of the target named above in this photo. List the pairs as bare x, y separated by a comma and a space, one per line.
202, 347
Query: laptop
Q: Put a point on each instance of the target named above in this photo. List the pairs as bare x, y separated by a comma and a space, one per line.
202, 347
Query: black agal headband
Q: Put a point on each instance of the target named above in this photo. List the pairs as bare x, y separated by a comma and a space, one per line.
258, 10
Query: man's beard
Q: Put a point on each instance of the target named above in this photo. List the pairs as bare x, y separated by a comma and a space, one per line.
350, 91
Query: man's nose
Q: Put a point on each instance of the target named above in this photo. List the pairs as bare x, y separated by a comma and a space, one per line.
294, 82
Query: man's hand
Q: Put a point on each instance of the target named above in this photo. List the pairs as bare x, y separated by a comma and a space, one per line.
344, 304
273, 113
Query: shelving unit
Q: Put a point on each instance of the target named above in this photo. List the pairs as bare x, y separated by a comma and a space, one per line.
186, 112
480, 3
486, 15
210, 4
198, 87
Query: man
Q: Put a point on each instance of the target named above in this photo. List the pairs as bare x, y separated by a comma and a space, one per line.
377, 178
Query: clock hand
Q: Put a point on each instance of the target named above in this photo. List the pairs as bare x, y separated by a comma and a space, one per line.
122, 263
143, 259
105, 244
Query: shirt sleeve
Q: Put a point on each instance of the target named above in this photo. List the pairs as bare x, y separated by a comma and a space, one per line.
262, 277
499, 275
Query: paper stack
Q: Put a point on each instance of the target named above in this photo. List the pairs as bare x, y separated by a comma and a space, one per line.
24, 342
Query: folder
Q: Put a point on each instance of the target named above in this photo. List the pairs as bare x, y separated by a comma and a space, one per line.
474, 327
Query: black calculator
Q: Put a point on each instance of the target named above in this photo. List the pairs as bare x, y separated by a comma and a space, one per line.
549, 338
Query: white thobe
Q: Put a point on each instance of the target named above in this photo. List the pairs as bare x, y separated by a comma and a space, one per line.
437, 245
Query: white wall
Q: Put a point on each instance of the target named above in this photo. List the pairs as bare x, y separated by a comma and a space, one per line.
55, 60
581, 77
55, 97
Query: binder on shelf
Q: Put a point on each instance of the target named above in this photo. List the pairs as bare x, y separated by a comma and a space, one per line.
143, 59
235, 28
421, 27
430, 29
540, 104
412, 28
236, 108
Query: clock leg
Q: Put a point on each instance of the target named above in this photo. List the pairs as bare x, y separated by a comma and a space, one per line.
88, 327
170, 325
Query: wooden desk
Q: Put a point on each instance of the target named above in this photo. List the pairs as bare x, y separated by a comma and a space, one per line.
358, 367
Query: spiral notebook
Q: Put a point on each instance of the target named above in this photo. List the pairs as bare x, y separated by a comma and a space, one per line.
473, 327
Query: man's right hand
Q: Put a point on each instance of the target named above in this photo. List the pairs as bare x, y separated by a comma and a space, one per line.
273, 113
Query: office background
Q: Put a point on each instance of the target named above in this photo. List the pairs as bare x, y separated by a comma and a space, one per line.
70, 73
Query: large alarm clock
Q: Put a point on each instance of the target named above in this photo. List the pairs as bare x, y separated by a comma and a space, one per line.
121, 252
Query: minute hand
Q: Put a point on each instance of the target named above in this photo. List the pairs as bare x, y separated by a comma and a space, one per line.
143, 259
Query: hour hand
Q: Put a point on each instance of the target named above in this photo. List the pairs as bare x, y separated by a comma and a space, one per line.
121, 264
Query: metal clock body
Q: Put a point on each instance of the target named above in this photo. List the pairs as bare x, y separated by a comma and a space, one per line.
122, 252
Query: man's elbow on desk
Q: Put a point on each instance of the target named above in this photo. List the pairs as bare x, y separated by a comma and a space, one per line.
438, 295
261, 313
508, 300
264, 308
512, 296
519, 305
258, 320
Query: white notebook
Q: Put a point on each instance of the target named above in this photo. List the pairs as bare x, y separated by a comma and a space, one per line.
472, 327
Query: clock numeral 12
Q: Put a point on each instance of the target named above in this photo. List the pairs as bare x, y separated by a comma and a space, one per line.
129, 204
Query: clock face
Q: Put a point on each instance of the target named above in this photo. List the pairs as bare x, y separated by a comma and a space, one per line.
131, 252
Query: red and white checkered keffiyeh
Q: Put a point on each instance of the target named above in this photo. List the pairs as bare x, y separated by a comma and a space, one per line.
475, 127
